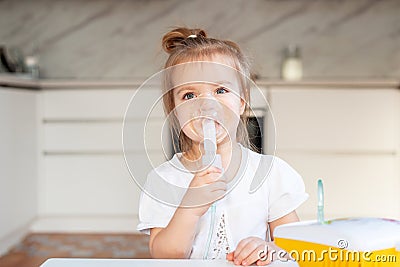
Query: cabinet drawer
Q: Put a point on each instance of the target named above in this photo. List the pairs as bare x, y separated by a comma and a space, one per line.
100, 136
337, 119
97, 104
90, 185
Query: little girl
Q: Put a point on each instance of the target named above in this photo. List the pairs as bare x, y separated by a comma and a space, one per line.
221, 219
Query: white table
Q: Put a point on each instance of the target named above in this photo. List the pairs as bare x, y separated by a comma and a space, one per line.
147, 263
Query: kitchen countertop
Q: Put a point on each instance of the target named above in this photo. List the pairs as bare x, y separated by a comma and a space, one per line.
26, 82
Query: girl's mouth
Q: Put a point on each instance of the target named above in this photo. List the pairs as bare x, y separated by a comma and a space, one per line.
220, 130
198, 128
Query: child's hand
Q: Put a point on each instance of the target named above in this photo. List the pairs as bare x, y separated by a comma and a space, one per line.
254, 250
205, 188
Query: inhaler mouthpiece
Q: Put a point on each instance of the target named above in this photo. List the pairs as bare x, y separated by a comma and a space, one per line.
210, 156
210, 111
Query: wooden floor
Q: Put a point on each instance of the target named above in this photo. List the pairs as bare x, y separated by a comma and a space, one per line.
36, 248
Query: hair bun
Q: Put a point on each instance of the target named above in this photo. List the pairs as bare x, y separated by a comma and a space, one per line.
175, 38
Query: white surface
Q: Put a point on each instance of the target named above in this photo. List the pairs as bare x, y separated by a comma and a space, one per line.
147, 262
350, 233
18, 163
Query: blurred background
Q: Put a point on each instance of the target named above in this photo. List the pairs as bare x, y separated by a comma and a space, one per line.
329, 69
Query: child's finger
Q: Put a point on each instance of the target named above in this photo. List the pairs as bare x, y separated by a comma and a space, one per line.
254, 256
249, 254
211, 169
212, 178
239, 255
229, 256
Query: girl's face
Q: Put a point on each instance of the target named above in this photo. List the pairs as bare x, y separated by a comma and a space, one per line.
207, 89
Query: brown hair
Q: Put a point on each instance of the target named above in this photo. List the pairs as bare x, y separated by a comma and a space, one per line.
182, 48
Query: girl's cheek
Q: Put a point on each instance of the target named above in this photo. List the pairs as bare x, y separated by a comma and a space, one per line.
191, 132
183, 118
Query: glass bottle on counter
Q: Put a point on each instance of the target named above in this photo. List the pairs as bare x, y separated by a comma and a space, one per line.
292, 68
32, 65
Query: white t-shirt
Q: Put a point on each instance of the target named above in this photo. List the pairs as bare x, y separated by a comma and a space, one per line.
240, 214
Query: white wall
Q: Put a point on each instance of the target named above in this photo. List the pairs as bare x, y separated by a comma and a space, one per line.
18, 164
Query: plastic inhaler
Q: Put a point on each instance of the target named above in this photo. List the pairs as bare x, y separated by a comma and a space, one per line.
210, 112
210, 158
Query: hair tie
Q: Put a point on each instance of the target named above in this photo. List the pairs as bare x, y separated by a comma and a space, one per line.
192, 36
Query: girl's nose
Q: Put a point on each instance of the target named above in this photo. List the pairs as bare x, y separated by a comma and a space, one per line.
206, 105
209, 106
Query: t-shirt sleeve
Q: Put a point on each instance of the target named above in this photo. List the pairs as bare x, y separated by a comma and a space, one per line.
286, 190
152, 212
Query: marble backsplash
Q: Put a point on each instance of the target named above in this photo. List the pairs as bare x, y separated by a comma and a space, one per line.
121, 39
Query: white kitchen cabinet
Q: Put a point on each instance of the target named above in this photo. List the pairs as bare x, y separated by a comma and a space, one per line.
355, 185
84, 174
94, 104
87, 185
347, 137
90, 185
342, 120
98, 137
18, 164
